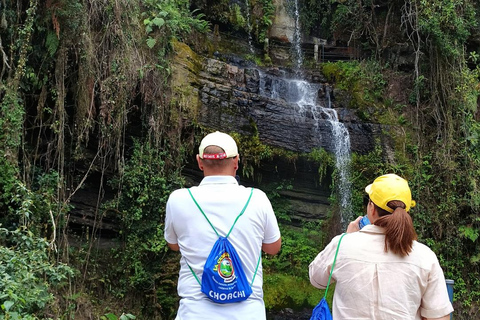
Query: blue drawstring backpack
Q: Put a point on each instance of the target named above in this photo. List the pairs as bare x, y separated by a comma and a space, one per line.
321, 310
223, 279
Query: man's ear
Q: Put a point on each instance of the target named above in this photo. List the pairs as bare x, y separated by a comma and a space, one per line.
237, 161
199, 162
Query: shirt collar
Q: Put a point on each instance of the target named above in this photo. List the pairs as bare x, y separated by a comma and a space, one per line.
218, 180
371, 228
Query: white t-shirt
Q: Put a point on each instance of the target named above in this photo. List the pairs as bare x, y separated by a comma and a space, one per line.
221, 199
374, 284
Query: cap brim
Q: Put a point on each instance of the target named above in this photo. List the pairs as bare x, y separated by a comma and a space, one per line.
368, 189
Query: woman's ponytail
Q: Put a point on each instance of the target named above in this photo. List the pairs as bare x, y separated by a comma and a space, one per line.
399, 230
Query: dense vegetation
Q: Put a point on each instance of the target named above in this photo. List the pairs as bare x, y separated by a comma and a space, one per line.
87, 104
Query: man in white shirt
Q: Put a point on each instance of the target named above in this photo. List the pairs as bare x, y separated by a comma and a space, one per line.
221, 199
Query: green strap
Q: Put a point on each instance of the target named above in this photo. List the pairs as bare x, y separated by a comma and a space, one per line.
194, 274
333, 265
191, 195
256, 269
243, 210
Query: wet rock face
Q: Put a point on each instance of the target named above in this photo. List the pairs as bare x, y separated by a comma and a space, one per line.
283, 24
233, 98
244, 98
306, 198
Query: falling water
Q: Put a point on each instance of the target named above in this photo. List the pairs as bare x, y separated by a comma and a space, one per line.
249, 26
303, 95
342, 163
297, 39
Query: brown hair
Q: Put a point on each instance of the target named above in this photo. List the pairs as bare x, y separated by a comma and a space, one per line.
216, 163
399, 231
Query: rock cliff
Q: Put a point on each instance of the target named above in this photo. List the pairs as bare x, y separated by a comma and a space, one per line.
236, 96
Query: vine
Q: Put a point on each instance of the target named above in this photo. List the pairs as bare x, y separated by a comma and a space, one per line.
11, 109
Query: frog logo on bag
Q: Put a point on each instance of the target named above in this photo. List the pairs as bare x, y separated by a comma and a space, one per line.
225, 268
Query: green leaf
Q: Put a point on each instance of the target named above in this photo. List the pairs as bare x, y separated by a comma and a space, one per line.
475, 259
7, 305
469, 233
111, 316
52, 43
151, 42
159, 22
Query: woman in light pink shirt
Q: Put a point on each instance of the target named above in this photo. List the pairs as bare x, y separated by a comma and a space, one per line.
381, 271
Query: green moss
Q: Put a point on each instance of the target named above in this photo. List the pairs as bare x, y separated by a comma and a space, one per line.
236, 18
185, 68
253, 151
363, 81
324, 160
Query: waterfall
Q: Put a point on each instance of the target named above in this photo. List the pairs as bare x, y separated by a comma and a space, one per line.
342, 163
304, 97
297, 39
249, 26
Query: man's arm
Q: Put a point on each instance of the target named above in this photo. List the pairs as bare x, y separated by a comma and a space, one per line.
272, 248
173, 246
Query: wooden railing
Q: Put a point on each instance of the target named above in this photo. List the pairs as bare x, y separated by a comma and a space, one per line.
318, 52
324, 53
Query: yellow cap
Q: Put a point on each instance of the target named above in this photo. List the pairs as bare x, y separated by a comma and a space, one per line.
390, 187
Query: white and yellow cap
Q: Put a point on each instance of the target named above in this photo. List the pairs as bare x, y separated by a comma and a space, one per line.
221, 140
390, 187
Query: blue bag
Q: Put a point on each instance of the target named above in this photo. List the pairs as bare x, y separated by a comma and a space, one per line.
223, 279
321, 310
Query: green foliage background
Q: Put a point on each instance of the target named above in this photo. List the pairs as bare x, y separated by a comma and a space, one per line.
86, 103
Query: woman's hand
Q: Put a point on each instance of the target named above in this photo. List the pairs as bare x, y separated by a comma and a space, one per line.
353, 226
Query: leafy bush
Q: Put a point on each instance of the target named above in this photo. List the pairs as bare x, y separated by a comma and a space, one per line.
299, 247
282, 291
362, 80
27, 271
435, 19
8, 186
146, 183
171, 18
27, 274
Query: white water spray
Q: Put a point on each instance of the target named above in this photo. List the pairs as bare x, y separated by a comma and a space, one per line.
307, 101
297, 39
304, 95
249, 26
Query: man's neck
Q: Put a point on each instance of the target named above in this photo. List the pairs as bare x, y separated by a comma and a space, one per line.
207, 173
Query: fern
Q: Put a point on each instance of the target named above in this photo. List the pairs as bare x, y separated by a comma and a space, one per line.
51, 43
